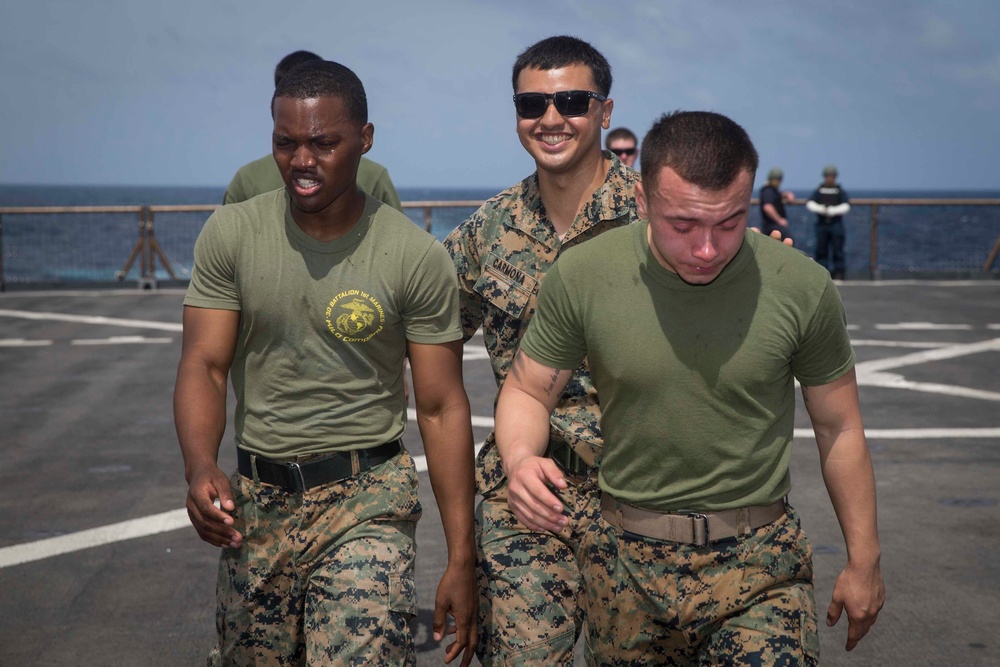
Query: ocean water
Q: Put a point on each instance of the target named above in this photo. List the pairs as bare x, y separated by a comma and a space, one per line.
949, 241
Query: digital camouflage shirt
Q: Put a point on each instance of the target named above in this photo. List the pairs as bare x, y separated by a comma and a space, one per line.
501, 254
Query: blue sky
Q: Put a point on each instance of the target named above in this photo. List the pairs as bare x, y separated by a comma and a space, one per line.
900, 95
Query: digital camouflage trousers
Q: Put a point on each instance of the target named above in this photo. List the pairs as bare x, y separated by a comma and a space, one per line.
323, 577
530, 583
741, 601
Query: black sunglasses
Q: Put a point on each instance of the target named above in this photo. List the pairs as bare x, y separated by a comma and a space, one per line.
623, 151
568, 103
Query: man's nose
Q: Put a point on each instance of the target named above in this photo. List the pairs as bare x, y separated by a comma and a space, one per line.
705, 248
303, 157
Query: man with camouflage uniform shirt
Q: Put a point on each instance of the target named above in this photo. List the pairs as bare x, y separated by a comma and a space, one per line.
529, 580
309, 296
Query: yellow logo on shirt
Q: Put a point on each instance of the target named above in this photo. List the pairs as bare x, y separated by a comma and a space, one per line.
354, 316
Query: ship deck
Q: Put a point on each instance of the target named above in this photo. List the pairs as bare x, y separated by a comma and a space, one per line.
99, 565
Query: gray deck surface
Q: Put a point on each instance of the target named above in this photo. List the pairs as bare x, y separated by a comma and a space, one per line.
87, 442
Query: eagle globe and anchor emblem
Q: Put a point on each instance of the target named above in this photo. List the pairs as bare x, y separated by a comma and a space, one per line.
354, 316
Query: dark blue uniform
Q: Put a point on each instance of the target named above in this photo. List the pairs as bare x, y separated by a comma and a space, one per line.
830, 230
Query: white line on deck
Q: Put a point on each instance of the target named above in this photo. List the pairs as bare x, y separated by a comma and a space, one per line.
897, 343
485, 422
91, 319
940, 354
119, 340
84, 539
922, 326
474, 353
895, 381
116, 532
22, 342
177, 519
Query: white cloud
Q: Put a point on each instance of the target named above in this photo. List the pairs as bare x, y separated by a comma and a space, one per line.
984, 72
938, 33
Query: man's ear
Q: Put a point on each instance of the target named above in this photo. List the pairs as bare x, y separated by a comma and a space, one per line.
608, 105
367, 137
640, 201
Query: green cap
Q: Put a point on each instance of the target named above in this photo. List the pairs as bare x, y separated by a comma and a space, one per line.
775, 175
830, 170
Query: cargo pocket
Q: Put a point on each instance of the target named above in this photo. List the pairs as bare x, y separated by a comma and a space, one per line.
402, 608
402, 595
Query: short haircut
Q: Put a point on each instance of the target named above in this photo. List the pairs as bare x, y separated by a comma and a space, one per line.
704, 148
620, 133
324, 78
290, 62
563, 51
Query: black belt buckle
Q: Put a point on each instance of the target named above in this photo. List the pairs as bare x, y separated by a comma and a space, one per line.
568, 460
300, 476
296, 478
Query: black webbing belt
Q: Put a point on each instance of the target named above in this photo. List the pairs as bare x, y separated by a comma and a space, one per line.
301, 475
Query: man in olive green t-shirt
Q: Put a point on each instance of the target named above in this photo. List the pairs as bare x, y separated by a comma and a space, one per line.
262, 175
696, 332
308, 297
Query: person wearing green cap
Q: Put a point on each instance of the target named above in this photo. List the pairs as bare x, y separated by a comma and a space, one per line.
830, 203
772, 205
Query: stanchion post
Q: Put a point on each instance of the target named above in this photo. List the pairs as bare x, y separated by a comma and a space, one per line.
873, 249
2, 283
992, 256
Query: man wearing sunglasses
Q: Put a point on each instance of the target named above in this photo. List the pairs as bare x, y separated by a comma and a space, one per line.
530, 581
623, 143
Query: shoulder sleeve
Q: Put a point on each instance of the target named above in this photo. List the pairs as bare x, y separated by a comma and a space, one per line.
825, 353
385, 191
463, 244
213, 276
555, 333
235, 192
430, 310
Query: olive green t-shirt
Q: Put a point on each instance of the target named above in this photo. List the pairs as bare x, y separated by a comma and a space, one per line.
262, 176
323, 325
696, 382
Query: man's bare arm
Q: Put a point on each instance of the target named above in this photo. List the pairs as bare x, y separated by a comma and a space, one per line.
444, 419
530, 393
209, 344
850, 480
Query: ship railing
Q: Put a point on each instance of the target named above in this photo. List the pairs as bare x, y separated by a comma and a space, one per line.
962, 242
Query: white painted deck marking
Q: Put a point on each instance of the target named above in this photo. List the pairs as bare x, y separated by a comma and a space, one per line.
474, 353
484, 422
84, 539
894, 381
896, 343
922, 326
178, 519
119, 340
91, 319
940, 354
870, 373
23, 342
116, 532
